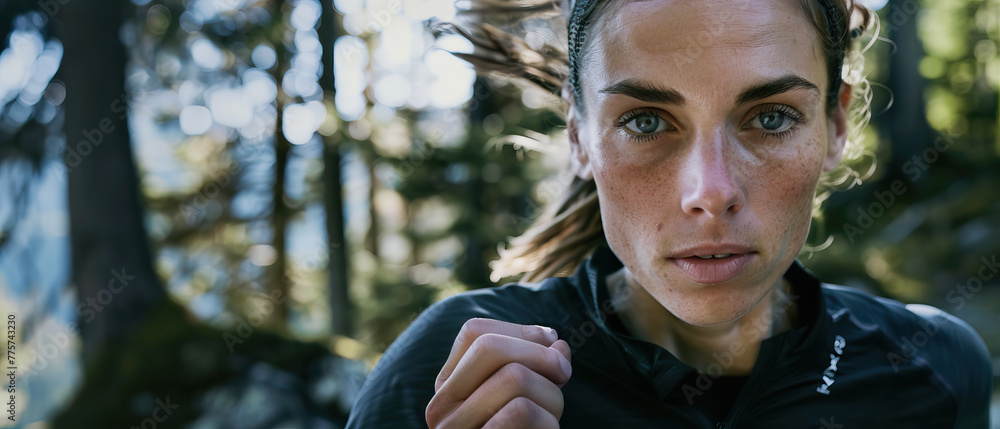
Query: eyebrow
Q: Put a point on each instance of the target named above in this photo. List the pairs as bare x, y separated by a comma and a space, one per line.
652, 93
775, 87
645, 91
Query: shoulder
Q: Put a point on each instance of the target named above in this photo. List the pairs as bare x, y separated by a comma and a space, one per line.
925, 336
398, 389
895, 319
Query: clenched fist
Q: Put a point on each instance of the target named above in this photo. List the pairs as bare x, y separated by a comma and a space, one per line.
501, 375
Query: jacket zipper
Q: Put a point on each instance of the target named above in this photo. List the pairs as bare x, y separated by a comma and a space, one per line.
766, 358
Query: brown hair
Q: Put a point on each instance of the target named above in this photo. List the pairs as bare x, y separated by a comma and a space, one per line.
569, 229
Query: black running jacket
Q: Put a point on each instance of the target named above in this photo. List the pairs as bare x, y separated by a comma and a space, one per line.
857, 361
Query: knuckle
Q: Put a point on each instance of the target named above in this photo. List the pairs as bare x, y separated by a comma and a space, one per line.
431, 414
523, 411
437, 414
483, 345
516, 377
434, 412
474, 327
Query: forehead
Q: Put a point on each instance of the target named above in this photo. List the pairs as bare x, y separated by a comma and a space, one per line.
683, 43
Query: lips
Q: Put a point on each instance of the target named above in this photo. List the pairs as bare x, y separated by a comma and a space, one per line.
713, 263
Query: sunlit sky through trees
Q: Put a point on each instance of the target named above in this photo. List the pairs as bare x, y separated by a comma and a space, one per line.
428, 171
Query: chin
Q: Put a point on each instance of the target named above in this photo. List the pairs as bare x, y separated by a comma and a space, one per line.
713, 316
702, 305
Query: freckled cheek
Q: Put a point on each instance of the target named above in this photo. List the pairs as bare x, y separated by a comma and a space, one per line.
617, 187
788, 188
794, 184
632, 197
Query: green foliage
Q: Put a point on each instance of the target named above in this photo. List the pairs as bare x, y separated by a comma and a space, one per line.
919, 230
458, 200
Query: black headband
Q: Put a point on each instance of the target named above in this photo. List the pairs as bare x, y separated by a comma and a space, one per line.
583, 11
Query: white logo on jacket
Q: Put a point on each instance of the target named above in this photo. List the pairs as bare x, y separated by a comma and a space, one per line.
838, 351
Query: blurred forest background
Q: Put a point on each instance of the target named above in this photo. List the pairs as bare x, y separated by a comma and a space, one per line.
221, 212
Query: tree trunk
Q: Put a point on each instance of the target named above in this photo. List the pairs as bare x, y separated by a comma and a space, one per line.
475, 269
371, 237
279, 215
340, 301
906, 121
111, 260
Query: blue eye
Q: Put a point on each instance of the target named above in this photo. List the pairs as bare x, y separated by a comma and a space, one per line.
775, 121
646, 123
771, 120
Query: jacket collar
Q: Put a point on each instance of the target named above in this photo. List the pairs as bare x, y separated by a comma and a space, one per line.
665, 371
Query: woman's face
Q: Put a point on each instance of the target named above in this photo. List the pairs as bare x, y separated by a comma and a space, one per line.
705, 131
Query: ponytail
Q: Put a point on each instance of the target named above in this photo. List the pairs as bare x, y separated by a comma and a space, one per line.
560, 239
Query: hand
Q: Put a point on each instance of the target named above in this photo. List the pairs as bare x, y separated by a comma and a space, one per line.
501, 375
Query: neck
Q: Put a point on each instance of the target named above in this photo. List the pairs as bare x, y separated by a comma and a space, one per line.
733, 345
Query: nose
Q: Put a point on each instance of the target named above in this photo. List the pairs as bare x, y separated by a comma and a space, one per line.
710, 187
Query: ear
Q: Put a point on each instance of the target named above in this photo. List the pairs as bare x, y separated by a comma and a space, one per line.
579, 158
838, 129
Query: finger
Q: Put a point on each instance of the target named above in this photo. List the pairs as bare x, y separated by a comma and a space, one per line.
476, 327
563, 348
512, 381
521, 413
490, 352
